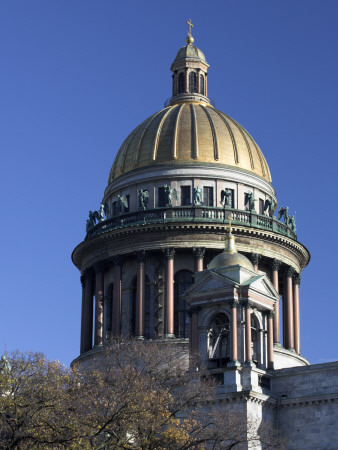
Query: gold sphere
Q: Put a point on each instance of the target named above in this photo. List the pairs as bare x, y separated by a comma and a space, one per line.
189, 40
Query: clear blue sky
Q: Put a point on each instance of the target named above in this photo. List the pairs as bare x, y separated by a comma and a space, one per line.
77, 76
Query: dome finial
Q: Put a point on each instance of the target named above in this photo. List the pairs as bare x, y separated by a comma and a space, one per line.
189, 40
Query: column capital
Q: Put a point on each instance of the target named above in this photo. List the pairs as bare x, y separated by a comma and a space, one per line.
199, 252
194, 310
169, 252
275, 264
255, 257
83, 280
88, 273
234, 304
296, 278
117, 260
247, 304
290, 271
99, 267
141, 255
270, 314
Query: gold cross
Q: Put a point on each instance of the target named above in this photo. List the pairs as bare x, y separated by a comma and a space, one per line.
230, 219
190, 25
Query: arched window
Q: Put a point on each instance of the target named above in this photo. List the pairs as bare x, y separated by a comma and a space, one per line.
192, 82
255, 340
183, 280
218, 339
202, 84
181, 83
146, 308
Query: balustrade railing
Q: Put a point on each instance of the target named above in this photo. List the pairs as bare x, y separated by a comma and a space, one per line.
192, 214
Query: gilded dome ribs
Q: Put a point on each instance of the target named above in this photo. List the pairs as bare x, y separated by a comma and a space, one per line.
174, 147
246, 142
158, 132
194, 134
234, 145
214, 134
262, 160
137, 153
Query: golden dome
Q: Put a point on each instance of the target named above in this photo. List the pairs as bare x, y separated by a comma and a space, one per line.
230, 259
189, 51
190, 133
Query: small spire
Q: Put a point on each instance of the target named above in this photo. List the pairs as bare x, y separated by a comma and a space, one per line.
189, 40
230, 244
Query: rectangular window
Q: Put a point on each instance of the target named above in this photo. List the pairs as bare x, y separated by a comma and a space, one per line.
261, 206
208, 196
114, 209
161, 197
185, 196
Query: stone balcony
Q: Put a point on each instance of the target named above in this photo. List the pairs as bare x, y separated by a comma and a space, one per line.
193, 214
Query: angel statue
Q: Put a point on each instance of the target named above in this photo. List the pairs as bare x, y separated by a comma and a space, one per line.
102, 212
226, 197
121, 203
270, 204
250, 201
292, 222
143, 198
284, 211
197, 196
169, 193
93, 217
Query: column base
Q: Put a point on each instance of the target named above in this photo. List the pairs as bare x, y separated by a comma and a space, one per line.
277, 344
169, 336
249, 364
234, 363
139, 338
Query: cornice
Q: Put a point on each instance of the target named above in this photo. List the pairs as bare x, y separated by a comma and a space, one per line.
170, 229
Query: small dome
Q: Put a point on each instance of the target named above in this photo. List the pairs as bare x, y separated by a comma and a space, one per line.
190, 133
230, 259
230, 256
189, 51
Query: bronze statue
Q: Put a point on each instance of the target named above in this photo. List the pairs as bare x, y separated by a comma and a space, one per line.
5, 367
271, 205
284, 211
143, 198
122, 202
226, 197
250, 201
169, 193
198, 196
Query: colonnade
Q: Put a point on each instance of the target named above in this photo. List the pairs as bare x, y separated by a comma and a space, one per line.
93, 285
92, 282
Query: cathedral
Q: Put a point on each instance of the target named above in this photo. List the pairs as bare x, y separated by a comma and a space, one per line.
186, 247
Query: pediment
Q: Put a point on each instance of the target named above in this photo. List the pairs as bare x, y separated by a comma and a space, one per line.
209, 281
263, 285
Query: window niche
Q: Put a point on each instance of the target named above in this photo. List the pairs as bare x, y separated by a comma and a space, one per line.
208, 196
192, 82
185, 195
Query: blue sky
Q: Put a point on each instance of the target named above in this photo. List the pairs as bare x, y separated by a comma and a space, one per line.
77, 76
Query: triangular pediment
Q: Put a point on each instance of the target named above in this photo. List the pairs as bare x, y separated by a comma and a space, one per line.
263, 285
209, 281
